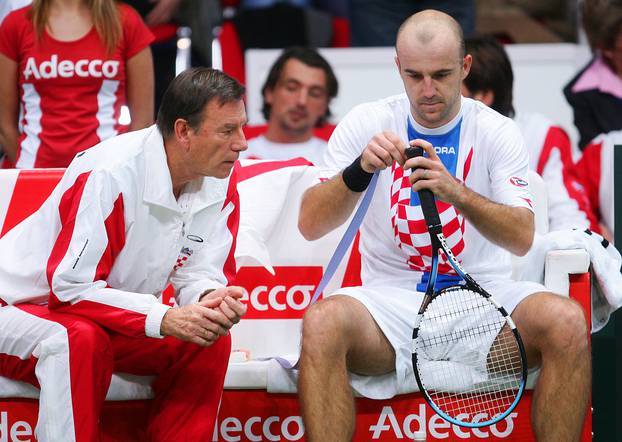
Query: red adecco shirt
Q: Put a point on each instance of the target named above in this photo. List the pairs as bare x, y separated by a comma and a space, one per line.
71, 93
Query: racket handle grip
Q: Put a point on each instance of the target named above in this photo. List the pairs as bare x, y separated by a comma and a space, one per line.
428, 204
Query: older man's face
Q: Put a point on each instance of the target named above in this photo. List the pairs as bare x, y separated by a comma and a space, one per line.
216, 144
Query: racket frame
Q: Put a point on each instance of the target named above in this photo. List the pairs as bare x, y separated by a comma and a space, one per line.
435, 229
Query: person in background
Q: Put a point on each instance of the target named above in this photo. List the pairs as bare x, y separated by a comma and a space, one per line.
6, 7
296, 98
375, 22
550, 153
69, 66
594, 171
595, 93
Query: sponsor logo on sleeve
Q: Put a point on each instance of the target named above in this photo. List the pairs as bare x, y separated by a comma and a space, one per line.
518, 182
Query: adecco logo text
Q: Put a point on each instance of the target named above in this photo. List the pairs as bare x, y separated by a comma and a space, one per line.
18, 431
259, 428
52, 68
285, 295
389, 426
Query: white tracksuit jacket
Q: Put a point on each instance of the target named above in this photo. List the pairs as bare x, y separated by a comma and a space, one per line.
112, 236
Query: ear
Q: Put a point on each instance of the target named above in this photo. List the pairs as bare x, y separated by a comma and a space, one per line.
397, 63
182, 132
268, 96
487, 97
467, 61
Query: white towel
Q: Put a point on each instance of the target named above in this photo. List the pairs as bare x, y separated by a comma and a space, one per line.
605, 262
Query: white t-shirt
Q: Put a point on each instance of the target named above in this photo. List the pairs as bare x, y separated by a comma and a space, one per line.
481, 148
260, 148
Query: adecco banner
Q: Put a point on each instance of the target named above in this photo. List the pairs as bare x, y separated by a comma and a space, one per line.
285, 295
259, 416
255, 415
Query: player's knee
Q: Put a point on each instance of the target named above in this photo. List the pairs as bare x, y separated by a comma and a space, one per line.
322, 324
568, 329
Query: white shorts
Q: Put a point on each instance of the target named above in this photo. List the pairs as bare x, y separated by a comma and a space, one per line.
395, 309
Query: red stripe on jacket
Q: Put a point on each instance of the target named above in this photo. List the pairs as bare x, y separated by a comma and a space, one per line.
115, 231
67, 209
124, 321
233, 222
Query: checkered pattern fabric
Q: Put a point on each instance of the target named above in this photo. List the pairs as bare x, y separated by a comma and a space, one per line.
181, 259
410, 230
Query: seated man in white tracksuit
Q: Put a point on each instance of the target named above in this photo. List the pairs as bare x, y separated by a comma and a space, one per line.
80, 278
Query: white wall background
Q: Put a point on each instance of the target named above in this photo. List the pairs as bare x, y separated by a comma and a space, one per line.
365, 74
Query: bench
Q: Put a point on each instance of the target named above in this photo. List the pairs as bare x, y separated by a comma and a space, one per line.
279, 271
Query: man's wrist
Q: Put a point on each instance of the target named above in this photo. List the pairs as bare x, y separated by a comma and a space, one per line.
355, 177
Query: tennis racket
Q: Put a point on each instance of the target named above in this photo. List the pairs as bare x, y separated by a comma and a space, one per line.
467, 355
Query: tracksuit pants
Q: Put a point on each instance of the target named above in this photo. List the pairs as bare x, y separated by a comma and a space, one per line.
71, 359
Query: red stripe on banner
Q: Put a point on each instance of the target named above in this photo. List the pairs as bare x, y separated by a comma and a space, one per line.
467, 165
32, 188
352, 276
246, 172
115, 231
68, 208
233, 222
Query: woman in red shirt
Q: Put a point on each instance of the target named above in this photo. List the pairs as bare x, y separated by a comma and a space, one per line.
67, 68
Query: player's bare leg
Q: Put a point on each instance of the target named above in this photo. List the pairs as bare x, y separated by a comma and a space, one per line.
339, 334
555, 334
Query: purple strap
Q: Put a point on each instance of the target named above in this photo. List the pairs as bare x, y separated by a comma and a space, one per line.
340, 252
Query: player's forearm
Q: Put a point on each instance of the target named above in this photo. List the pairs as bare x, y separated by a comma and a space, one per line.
509, 227
325, 207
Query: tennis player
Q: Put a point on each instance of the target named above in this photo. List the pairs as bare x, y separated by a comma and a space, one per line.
82, 275
477, 167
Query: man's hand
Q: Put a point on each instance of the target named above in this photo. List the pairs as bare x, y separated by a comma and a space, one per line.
381, 151
431, 174
201, 323
230, 306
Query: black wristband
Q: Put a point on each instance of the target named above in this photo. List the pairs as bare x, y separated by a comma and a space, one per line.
355, 178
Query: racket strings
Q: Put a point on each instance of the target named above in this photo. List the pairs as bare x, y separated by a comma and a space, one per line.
467, 357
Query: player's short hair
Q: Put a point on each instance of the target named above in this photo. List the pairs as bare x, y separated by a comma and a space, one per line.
310, 57
190, 92
449, 21
491, 70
